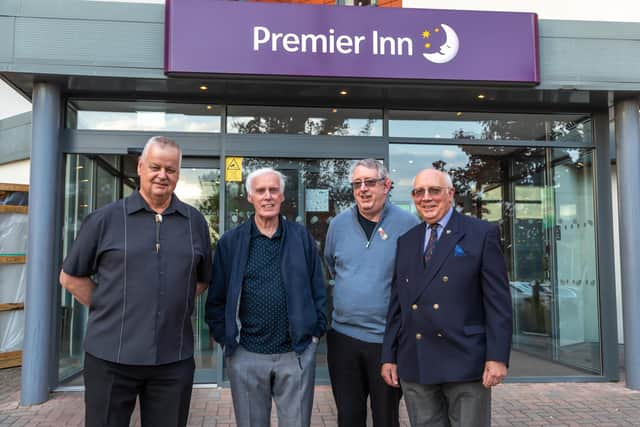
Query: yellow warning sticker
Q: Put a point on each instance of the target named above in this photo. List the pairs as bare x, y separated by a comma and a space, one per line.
233, 169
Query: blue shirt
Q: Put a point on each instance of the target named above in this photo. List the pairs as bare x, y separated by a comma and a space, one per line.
442, 223
263, 301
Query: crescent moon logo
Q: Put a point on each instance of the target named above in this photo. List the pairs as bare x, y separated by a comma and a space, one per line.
448, 50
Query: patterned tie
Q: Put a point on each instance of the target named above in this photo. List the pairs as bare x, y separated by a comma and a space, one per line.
431, 244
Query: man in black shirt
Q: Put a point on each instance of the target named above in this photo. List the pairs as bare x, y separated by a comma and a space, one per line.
138, 264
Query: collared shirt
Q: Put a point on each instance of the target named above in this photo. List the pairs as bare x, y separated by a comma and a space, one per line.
263, 300
145, 268
442, 223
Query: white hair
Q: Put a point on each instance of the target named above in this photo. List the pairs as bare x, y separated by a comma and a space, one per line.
162, 142
370, 164
260, 172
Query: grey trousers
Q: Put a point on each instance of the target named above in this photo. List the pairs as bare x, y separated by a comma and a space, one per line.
287, 378
448, 405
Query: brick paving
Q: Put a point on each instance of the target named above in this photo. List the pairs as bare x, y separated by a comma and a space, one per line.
531, 405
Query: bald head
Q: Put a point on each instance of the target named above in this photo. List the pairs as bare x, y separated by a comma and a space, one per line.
432, 194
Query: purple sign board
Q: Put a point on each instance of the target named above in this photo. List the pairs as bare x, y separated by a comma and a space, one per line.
208, 37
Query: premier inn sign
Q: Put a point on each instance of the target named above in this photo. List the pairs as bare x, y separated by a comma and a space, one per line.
208, 37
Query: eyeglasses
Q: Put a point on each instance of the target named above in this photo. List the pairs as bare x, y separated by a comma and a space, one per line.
419, 193
369, 183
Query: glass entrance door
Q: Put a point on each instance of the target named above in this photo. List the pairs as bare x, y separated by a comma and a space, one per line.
315, 192
543, 201
199, 186
91, 182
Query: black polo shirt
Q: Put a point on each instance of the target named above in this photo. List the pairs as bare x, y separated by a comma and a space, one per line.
263, 300
144, 296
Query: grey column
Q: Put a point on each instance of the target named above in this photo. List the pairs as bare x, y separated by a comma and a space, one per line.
41, 265
627, 123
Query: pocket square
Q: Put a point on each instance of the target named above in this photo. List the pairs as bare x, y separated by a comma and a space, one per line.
458, 251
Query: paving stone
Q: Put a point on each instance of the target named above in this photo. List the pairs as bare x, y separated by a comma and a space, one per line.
514, 404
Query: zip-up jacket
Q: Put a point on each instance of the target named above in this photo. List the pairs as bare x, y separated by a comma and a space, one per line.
301, 274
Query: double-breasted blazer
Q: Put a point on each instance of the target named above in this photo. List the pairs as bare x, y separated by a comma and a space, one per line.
448, 317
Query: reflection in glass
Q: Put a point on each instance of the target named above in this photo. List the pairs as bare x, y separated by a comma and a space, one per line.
304, 121
78, 203
91, 182
543, 201
490, 126
106, 187
315, 192
200, 188
143, 116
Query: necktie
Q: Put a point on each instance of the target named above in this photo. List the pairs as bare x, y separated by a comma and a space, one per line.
431, 244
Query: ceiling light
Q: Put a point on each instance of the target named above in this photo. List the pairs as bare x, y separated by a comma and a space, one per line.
204, 87
209, 107
459, 113
481, 96
344, 92
334, 110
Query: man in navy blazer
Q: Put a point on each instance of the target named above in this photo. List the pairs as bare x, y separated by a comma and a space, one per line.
448, 334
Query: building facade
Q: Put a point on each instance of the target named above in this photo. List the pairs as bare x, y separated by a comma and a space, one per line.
525, 113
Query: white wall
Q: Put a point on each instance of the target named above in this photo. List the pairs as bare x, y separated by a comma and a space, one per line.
579, 10
15, 172
11, 102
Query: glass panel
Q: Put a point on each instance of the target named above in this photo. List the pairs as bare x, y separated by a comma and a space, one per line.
315, 192
304, 121
106, 187
575, 256
78, 203
543, 200
490, 126
144, 116
200, 188
92, 182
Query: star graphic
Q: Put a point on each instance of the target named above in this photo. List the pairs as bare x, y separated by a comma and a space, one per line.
427, 45
426, 34
437, 30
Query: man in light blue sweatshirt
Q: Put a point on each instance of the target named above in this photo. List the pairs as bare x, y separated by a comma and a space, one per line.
360, 254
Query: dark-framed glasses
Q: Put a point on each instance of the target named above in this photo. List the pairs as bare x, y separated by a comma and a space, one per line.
419, 193
369, 183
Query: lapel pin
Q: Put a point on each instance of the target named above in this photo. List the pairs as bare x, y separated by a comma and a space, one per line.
382, 234
448, 231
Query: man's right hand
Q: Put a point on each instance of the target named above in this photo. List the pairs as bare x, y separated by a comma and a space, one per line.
389, 372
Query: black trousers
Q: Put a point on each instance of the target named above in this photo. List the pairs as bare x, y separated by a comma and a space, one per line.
111, 390
354, 368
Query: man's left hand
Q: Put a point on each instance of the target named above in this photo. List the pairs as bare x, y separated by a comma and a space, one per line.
494, 373
201, 287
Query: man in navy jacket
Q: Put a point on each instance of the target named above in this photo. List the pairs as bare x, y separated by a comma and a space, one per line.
448, 335
266, 308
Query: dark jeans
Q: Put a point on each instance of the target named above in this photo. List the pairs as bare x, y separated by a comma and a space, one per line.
111, 390
354, 368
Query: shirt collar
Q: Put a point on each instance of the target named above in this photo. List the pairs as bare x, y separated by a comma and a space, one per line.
444, 220
256, 233
135, 203
385, 210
